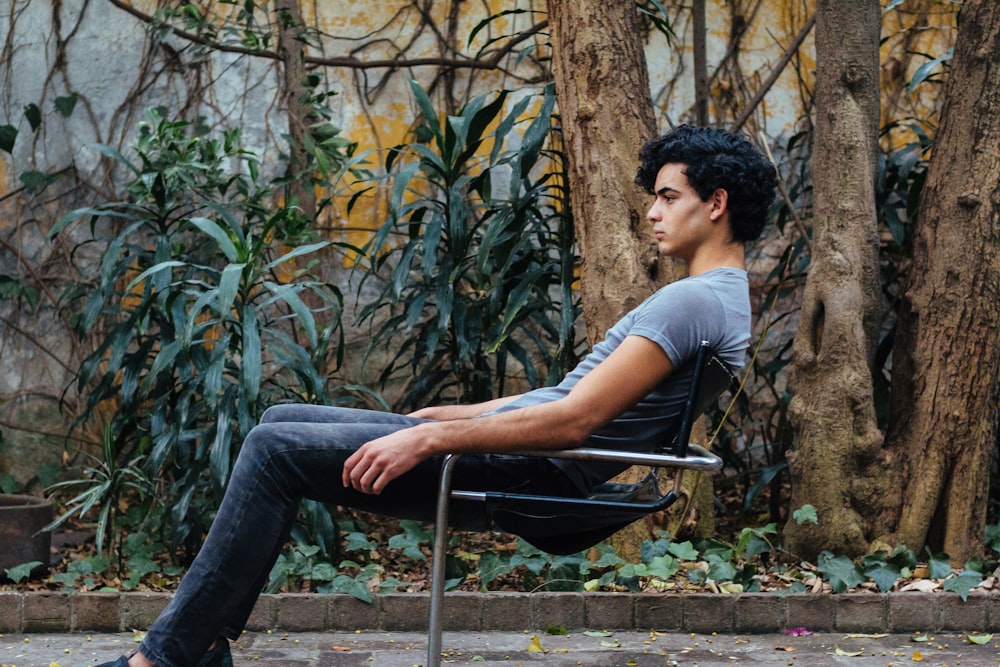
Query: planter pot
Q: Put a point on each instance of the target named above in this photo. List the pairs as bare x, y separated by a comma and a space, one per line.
22, 539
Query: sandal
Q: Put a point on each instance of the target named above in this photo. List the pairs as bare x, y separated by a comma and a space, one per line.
120, 662
218, 656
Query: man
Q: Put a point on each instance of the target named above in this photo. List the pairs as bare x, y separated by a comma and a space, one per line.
711, 193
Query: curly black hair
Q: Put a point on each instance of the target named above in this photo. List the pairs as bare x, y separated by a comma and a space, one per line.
716, 159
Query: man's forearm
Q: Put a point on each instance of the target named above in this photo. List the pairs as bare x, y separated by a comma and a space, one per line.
449, 412
536, 427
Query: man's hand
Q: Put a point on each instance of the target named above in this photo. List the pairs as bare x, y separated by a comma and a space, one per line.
378, 462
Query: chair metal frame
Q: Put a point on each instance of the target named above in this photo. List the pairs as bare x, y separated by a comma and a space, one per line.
680, 455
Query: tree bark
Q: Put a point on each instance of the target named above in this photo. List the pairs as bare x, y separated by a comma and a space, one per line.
946, 360
606, 107
698, 43
835, 465
295, 92
602, 85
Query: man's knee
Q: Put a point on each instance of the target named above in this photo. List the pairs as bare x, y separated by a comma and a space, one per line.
258, 442
273, 414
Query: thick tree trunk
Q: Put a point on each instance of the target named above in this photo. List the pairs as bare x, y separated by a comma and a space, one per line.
292, 50
946, 363
603, 89
834, 466
602, 85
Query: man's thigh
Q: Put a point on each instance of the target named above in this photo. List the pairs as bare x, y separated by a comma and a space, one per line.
325, 414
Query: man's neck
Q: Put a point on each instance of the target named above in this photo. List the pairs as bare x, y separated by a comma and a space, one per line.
730, 255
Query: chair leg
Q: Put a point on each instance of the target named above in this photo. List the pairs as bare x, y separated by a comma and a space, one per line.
438, 558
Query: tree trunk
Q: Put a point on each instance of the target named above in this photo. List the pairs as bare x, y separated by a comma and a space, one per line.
835, 466
292, 50
607, 113
602, 85
946, 363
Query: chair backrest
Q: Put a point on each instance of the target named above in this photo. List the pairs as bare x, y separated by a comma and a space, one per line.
564, 525
711, 376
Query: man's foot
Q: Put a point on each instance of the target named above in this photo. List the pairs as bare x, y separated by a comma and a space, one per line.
120, 662
217, 656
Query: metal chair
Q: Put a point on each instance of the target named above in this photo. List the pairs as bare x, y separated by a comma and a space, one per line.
566, 525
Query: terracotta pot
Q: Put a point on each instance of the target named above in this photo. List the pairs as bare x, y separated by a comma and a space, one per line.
22, 539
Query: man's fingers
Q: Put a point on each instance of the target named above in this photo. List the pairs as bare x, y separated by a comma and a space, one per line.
376, 463
366, 482
355, 468
349, 465
363, 472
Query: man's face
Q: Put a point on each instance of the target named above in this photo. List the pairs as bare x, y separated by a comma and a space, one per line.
681, 221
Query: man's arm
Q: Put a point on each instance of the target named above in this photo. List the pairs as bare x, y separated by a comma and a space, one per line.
629, 373
449, 412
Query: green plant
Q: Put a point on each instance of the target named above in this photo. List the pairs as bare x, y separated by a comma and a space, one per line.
139, 557
476, 256
205, 312
21, 572
302, 566
805, 514
550, 572
106, 484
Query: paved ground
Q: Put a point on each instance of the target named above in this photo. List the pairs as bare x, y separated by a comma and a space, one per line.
618, 649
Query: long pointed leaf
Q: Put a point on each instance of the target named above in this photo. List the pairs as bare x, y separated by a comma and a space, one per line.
297, 252
220, 457
427, 110
229, 285
506, 125
219, 234
301, 310
153, 270
118, 157
250, 367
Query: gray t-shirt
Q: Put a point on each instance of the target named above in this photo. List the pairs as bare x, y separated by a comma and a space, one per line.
712, 307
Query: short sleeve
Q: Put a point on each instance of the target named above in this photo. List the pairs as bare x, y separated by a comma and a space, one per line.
679, 317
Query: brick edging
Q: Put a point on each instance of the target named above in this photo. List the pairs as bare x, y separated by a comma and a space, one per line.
746, 613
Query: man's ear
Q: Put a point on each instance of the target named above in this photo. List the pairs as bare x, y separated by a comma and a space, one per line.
720, 203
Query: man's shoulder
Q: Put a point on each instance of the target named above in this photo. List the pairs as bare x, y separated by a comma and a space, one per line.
702, 287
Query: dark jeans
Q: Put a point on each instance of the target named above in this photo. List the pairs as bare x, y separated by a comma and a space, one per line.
298, 451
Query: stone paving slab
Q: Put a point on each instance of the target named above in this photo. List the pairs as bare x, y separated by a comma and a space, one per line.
510, 649
643, 630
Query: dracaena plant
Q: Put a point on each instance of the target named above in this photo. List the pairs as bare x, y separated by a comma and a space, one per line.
475, 258
203, 312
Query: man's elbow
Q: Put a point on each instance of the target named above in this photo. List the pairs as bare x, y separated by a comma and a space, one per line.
579, 430
576, 423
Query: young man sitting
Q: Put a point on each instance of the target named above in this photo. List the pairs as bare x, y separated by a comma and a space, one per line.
712, 191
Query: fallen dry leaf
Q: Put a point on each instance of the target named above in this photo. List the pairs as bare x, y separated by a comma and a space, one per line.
535, 645
921, 585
